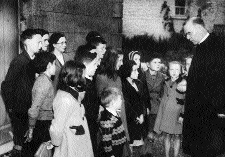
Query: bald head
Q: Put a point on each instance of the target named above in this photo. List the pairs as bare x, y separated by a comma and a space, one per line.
194, 30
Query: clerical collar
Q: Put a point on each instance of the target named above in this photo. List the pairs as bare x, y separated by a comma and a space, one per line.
89, 77
203, 39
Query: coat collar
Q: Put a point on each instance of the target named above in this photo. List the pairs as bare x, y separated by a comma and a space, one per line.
73, 92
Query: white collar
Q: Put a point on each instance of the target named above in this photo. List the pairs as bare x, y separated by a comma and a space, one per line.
59, 56
89, 77
203, 39
32, 56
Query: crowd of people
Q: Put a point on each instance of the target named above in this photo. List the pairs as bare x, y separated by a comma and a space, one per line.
102, 103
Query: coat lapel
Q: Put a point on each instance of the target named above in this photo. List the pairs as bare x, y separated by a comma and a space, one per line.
153, 83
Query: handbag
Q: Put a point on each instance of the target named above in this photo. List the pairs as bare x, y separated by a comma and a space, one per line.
44, 150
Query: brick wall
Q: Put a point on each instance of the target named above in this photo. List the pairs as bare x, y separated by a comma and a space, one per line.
77, 18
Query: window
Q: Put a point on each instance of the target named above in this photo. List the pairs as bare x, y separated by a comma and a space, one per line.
179, 7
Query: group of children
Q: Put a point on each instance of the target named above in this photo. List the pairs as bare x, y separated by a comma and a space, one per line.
111, 103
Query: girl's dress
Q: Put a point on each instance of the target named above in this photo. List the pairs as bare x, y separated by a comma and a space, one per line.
69, 130
169, 110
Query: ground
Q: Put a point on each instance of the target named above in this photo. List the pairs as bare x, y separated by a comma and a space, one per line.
158, 148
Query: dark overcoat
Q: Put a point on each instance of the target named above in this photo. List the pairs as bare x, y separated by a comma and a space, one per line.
203, 130
135, 106
18, 83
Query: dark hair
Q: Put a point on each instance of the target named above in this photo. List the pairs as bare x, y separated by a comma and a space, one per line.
109, 94
198, 20
84, 52
153, 55
42, 31
95, 41
71, 74
54, 38
91, 35
87, 58
127, 68
41, 61
27, 34
108, 63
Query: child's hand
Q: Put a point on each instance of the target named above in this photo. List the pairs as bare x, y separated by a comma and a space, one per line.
221, 115
182, 86
140, 119
73, 130
180, 101
180, 120
148, 112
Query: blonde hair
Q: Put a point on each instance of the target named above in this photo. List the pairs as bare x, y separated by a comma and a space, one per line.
108, 95
175, 62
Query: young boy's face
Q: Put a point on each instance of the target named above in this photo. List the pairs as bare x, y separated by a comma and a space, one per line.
134, 73
45, 42
52, 68
118, 102
155, 64
119, 61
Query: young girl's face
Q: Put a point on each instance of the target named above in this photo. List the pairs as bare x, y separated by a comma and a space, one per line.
155, 64
137, 59
134, 72
100, 49
119, 61
174, 70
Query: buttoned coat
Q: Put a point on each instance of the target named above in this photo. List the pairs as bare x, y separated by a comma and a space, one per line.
68, 112
155, 89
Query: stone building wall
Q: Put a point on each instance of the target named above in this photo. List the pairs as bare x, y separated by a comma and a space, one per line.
76, 19
212, 12
143, 16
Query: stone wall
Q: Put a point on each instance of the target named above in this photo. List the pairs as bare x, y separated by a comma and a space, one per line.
143, 16
212, 12
76, 19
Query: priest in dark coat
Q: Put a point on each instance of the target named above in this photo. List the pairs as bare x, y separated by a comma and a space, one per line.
204, 116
